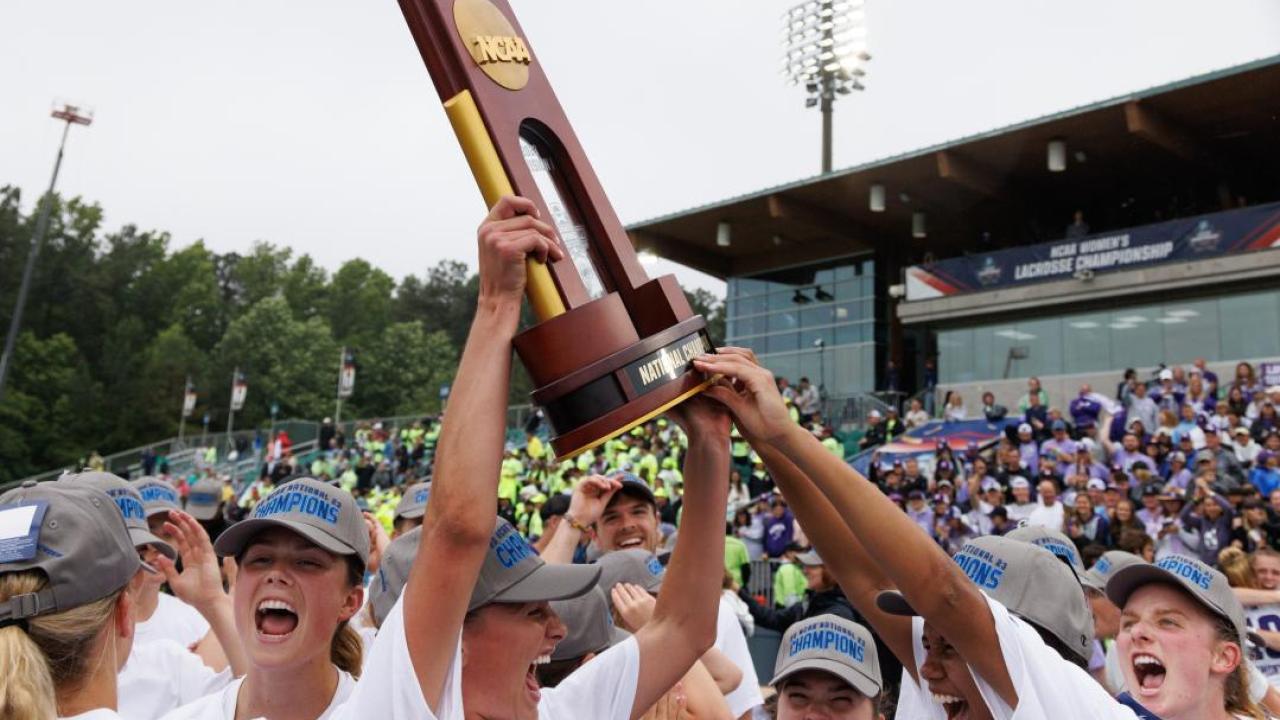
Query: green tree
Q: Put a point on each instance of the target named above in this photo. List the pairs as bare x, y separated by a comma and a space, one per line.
706, 304
359, 303
403, 371
45, 401
289, 361
306, 289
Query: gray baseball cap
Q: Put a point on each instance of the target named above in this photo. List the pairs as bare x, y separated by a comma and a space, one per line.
1111, 562
1051, 540
75, 535
590, 625
1028, 580
158, 496
834, 645
130, 504
393, 573
635, 487
413, 504
513, 573
205, 498
635, 566
1204, 584
321, 513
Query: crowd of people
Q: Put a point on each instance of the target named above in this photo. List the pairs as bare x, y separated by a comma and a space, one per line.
509, 585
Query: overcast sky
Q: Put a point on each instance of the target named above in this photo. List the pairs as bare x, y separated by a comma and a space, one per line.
315, 125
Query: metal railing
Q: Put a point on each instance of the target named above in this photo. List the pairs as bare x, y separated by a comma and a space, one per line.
849, 411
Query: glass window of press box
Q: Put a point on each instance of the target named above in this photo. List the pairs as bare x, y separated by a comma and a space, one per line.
1243, 326
783, 315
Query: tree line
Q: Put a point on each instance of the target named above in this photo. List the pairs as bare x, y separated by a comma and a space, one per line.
116, 321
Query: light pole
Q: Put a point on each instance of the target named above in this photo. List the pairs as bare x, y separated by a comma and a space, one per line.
71, 115
826, 45
822, 366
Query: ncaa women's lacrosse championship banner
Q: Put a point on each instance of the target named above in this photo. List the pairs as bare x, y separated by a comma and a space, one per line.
1204, 236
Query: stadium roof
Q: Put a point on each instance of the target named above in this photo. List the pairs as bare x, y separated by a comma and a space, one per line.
1133, 159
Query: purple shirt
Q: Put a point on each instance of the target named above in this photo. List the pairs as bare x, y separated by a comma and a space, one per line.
1030, 454
1062, 448
1083, 409
778, 533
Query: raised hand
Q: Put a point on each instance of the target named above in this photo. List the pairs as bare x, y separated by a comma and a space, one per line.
590, 498
634, 605
749, 391
510, 233
670, 706
378, 541
702, 417
200, 582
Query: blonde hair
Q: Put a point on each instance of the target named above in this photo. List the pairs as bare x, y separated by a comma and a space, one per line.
1236, 566
51, 654
347, 650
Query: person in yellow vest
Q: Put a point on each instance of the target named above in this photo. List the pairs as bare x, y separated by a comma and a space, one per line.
647, 466
670, 475
533, 447
511, 471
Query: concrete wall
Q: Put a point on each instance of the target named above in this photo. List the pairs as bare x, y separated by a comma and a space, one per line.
1063, 389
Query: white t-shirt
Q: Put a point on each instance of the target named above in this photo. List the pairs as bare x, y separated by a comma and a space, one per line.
1018, 512
162, 675
388, 687
1050, 516
173, 620
222, 705
914, 700
731, 641
1046, 684
602, 689
1265, 617
99, 714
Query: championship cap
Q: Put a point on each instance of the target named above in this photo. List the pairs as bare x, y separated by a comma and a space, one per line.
413, 504
321, 513
634, 566
130, 504
590, 625
1051, 540
1029, 581
1108, 564
74, 534
833, 645
513, 573
635, 487
1204, 584
158, 496
204, 499
393, 573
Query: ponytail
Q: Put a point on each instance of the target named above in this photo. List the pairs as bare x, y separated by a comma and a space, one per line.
47, 655
347, 650
1235, 693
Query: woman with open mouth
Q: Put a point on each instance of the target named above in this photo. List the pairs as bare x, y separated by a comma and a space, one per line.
301, 557
1182, 640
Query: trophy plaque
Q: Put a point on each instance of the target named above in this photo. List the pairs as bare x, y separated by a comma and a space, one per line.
611, 348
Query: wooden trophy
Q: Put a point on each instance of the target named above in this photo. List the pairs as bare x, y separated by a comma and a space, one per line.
612, 348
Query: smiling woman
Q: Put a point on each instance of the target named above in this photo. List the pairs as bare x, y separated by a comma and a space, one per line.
302, 556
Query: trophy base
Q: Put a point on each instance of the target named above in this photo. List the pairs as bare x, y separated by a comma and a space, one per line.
627, 387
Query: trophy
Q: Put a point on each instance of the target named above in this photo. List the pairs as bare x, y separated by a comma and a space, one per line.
611, 348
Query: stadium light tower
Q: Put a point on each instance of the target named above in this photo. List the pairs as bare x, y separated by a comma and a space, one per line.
825, 45
71, 115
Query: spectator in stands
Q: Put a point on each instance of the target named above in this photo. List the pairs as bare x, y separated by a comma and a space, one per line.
1266, 423
1033, 391
919, 511
990, 410
1265, 476
1138, 543
916, 416
1250, 529
874, 434
1078, 227
819, 595
953, 407
1209, 376
1168, 396
1085, 407
892, 383
1225, 463
1037, 416
1244, 446
1121, 518
1048, 512
1060, 445
1084, 525
1207, 521
893, 426
1198, 396
1246, 381
779, 528
1151, 514
748, 526
913, 478
808, 401
1028, 448
1142, 407
1022, 506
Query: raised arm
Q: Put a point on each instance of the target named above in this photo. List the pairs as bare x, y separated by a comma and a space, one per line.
684, 621
460, 517
934, 585
588, 502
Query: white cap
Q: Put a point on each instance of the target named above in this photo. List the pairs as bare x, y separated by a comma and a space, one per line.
1024, 428
1165, 374
874, 414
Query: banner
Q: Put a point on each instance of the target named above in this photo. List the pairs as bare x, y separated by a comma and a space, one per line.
1188, 239
239, 389
188, 400
346, 374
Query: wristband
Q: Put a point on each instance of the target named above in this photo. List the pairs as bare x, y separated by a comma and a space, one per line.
573, 523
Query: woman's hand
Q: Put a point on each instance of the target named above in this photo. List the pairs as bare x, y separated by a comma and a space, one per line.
749, 391
634, 605
378, 541
200, 582
510, 234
